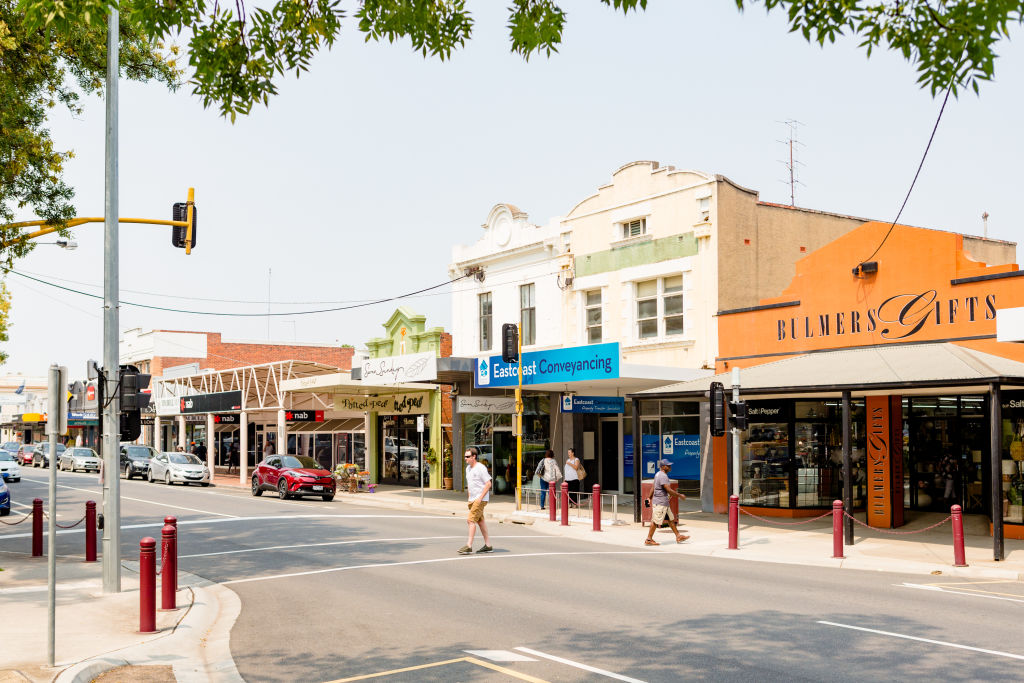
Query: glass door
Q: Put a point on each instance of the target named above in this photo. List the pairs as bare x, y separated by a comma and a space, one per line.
503, 469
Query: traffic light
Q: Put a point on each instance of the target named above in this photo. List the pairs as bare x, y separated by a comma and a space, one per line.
178, 232
739, 414
510, 343
716, 394
133, 399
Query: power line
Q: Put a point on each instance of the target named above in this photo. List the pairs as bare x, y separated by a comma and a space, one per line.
244, 315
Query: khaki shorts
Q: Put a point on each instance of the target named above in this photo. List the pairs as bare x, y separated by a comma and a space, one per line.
660, 513
476, 510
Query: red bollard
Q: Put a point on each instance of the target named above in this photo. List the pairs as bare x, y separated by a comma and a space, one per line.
552, 502
169, 569
734, 522
147, 585
565, 503
90, 531
959, 559
837, 530
37, 527
173, 521
596, 504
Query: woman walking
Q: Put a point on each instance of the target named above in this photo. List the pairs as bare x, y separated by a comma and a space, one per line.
572, 477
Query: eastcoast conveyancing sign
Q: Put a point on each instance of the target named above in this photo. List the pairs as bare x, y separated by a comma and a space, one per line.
573, 364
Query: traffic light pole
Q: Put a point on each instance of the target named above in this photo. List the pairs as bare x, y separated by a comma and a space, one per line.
110, 409
519, 429
735, 434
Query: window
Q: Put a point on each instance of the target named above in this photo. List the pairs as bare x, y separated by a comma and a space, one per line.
593, 316
634, 228
485, 321
659, 307
704, 208
527, 315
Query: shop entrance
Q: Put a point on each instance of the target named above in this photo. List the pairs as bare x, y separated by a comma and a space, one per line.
503, 469
609, 466
398, 459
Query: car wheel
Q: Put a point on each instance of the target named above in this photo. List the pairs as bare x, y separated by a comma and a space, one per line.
149, 476
256, 490
282, 490
128, 472
328, 499
4, 512
167, 478
204, 483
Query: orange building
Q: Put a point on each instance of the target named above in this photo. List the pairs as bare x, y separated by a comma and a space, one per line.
875, 377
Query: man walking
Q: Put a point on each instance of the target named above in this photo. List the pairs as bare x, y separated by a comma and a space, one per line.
478, 482
658, 501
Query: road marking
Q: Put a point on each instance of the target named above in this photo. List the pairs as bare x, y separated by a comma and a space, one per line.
500, 655
470, 660
460, 558
970, 592
364, 540
958, 646
142, 500
585, 667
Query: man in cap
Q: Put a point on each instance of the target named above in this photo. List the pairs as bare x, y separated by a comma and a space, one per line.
658, 501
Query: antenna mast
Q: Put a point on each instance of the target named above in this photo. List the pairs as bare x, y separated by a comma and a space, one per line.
791, 143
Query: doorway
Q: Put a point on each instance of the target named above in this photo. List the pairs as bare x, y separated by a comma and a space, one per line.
609, 465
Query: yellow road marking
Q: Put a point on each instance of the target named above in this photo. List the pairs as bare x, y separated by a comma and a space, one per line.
471, 660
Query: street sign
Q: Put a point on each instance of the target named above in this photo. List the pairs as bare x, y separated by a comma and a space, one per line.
419, 424
304, 416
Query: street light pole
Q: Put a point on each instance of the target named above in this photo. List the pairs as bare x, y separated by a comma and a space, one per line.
109, 375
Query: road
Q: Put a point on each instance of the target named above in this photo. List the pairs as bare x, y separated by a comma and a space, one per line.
336, 590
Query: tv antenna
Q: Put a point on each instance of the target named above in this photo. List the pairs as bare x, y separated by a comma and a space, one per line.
792, 148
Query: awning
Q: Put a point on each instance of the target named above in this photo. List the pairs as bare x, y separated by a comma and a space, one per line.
351, 424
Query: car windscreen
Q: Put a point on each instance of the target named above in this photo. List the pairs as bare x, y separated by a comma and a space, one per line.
6, 456
300, 461
10, 446
184, 459
83, 453
139, 453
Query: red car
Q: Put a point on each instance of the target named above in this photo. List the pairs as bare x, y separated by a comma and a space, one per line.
25, 454
292, 475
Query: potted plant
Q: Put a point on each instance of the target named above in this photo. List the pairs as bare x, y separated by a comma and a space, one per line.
446, 469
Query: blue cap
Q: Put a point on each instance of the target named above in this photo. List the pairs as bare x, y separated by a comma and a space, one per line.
664, 463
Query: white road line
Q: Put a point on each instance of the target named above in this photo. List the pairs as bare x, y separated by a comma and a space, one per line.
366, 540
500, 656
459, 558
585, 667
143, 500
998, 653
971, 594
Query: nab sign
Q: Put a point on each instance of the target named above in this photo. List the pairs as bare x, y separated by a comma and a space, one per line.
304, 416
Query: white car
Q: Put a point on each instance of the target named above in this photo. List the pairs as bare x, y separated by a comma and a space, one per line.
9, 469
78, 458
181, 467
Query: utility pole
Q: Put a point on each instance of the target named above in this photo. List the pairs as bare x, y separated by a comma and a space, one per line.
110, 408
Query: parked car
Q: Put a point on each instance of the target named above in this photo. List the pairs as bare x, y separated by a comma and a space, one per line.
5, 500
41, 455
11, 447
9, 470
25, 453
135, 460
292, 475
78, 458
184, 467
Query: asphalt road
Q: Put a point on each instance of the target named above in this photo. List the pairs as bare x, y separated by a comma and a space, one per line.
336, 590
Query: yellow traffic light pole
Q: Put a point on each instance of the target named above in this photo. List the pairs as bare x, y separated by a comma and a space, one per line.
187, 224
519, 429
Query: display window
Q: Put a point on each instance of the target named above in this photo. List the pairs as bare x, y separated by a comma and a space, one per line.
493, 436
1012, 457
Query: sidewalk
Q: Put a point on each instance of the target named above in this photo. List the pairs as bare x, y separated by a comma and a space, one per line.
97, 632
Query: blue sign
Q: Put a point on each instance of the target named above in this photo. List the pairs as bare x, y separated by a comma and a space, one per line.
685, 455
593, 404
651, 452
627, 456
573, 364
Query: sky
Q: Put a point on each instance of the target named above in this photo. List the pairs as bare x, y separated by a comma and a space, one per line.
361, 175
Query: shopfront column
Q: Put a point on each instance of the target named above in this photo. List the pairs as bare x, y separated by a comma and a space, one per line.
996, 449
158, 434
243, 451
282, 433
209, 440
182, 436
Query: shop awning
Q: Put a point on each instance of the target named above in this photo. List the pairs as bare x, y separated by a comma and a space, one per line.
352, 424
905, 369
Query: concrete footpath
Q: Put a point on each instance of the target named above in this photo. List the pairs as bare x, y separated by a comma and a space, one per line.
97, 632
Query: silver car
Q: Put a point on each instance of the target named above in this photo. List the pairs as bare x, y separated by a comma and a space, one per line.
178, 467
78, 458
9, 469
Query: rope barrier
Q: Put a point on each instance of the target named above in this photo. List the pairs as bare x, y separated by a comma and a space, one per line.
64, 526
23, 518
771, 521
897, 533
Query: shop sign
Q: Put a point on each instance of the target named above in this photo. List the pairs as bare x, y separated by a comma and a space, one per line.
413, 367
90, 392
81, 418
627, 456
485, 404
30, 417
684, 450
303, 416
409, 404
878, 462
168, 405
195, 419
230, 419
593, 404
765, 411
573, 364
651, 453
211, 403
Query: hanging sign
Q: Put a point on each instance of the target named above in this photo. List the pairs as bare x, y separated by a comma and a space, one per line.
485, 404
408, 404
210, 403
593, 404
229, 419
304, 416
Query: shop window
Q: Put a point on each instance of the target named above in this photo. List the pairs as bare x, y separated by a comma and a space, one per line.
527, 315
484, 302
593, 316
680, 408
765, 465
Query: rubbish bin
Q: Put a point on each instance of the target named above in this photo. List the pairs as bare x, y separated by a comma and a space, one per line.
646, 487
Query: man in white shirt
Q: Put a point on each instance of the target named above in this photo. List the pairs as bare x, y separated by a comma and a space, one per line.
478, 483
